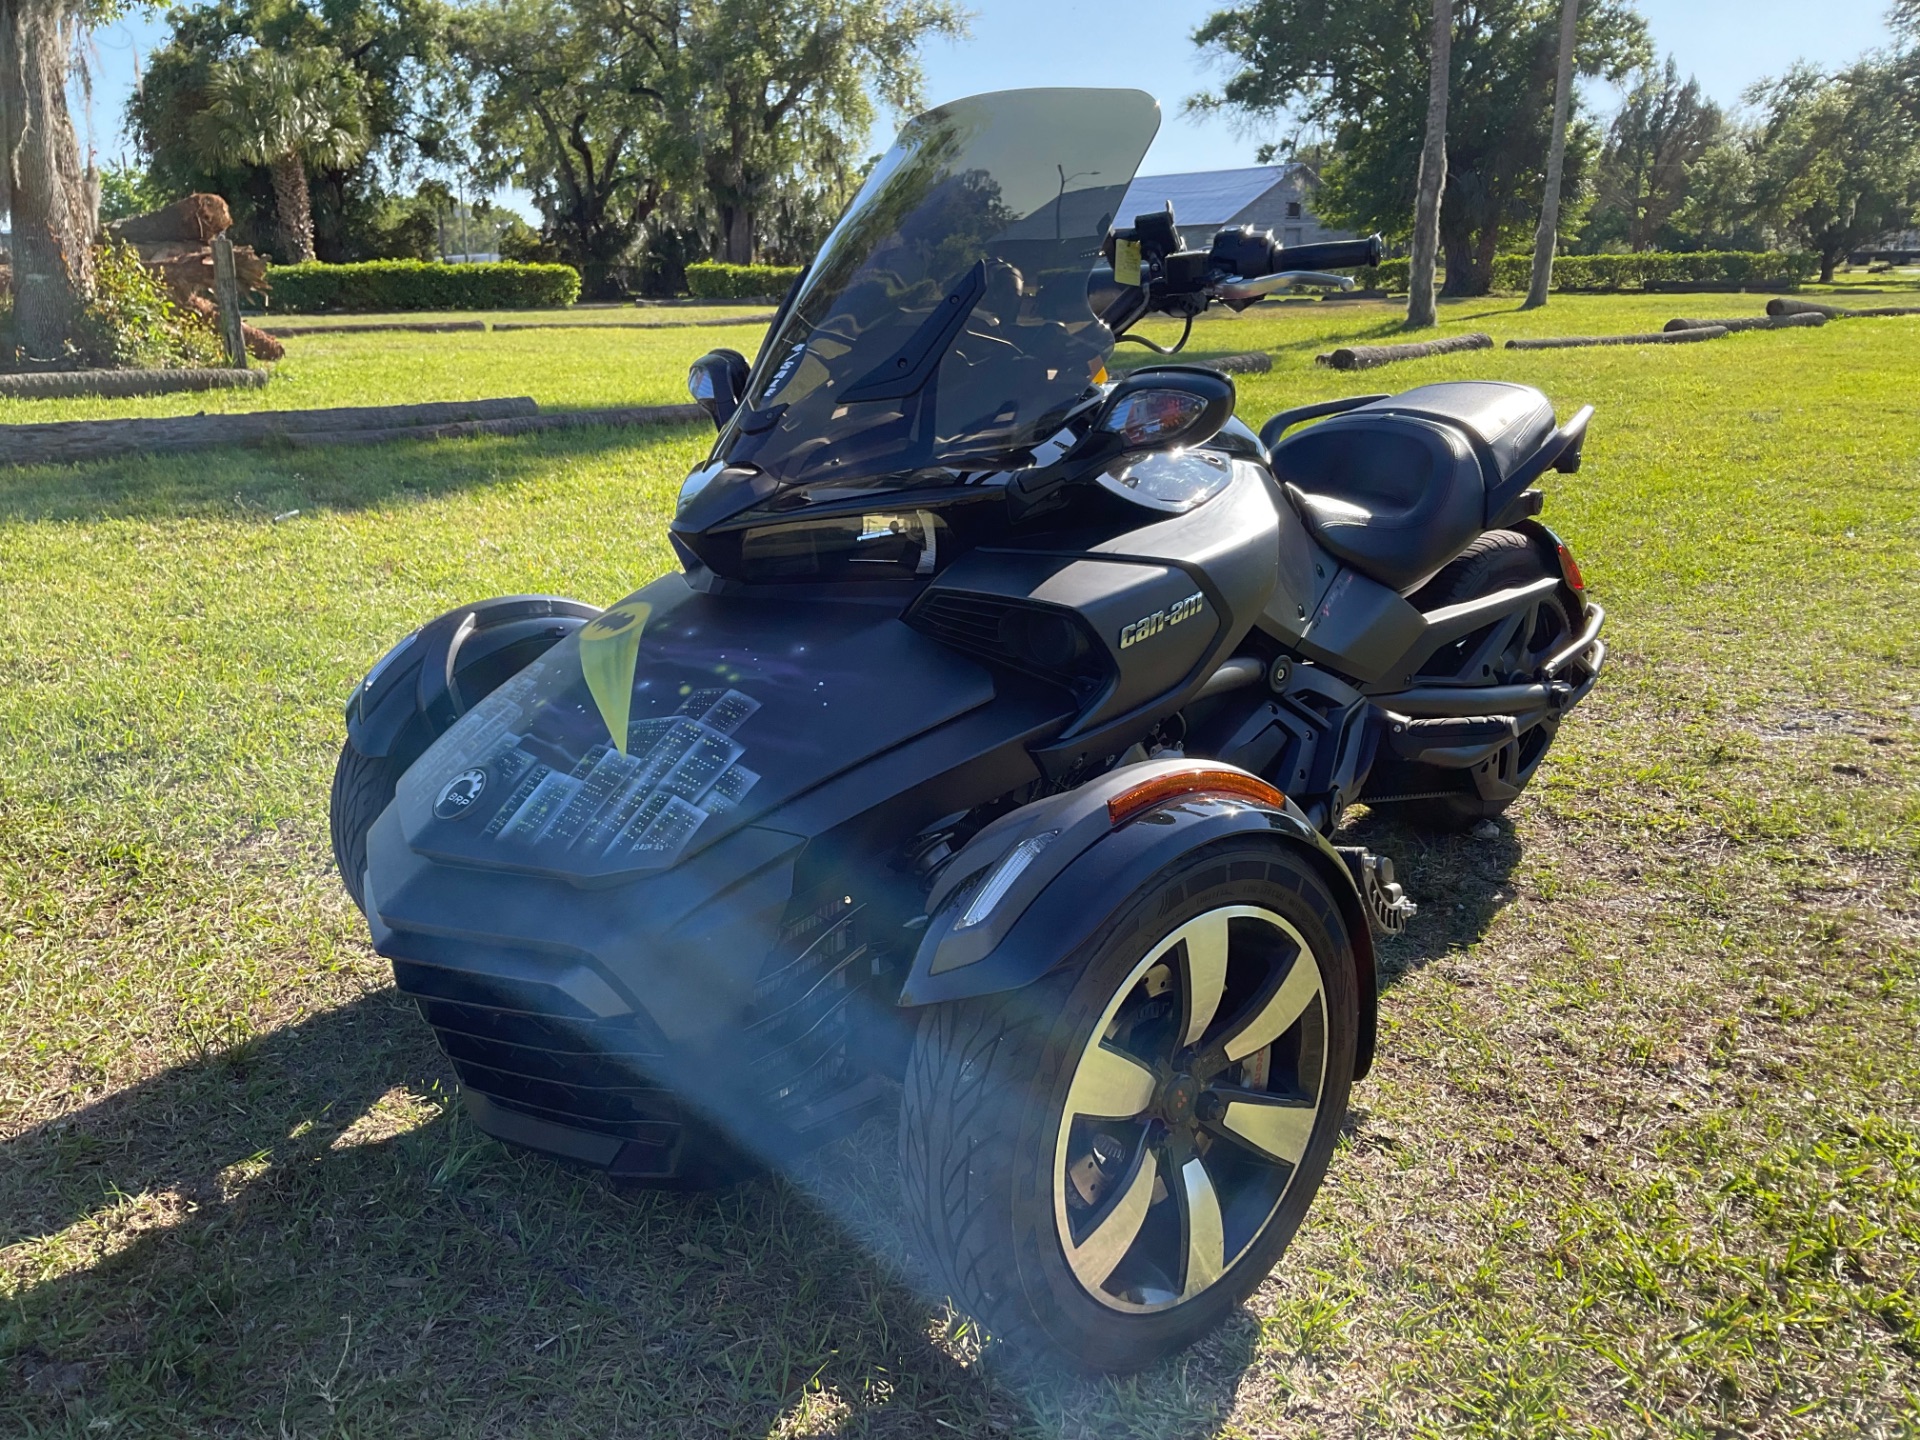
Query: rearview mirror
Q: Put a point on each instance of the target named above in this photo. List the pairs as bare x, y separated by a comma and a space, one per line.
717, 381
1162, 406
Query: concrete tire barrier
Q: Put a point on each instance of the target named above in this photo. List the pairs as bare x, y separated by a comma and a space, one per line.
1834, 312
423, 327
1752, 322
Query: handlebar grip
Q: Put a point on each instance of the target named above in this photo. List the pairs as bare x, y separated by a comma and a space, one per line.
1333, 255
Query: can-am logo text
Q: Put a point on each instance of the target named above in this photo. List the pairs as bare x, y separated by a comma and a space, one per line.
1148, 625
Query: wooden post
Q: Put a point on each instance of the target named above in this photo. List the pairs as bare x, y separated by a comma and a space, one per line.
226, 298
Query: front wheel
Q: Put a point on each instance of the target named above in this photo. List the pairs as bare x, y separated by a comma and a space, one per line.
1104, 1164
362, 787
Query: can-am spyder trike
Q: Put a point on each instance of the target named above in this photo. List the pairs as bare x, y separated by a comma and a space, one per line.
986, 748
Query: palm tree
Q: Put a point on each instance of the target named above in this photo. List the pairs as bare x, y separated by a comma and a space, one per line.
285, 110
1433, 173
1549, 232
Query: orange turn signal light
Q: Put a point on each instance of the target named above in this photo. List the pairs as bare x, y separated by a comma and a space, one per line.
1570, 571
1195, 780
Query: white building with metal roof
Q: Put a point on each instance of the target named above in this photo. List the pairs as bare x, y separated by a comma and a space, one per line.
1268, 197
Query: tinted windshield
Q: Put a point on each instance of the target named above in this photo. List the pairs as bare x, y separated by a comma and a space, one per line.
946, 318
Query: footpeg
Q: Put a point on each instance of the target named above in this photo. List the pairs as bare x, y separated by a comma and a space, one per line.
1454, 743
1388, 908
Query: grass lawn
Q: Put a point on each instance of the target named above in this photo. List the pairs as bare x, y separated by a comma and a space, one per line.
561, 369
1641, 1153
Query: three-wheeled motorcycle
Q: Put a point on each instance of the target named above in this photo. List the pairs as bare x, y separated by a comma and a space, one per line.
983, 757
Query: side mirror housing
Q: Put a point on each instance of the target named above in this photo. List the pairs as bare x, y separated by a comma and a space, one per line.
1160, 407
717, 381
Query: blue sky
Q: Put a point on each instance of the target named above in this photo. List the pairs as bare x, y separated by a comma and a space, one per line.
1727, 43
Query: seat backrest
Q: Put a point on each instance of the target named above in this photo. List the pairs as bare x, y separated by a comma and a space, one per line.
1387, 464
1507, 423
1395, 496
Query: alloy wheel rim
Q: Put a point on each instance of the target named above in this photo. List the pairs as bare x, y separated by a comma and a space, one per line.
1190, 1109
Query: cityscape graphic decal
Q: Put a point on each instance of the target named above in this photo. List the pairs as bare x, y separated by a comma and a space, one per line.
647, 804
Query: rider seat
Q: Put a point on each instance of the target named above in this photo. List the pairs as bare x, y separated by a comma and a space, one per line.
1399, 487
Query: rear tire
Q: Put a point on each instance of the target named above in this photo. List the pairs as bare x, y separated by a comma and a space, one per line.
1498, 560
1071, 1214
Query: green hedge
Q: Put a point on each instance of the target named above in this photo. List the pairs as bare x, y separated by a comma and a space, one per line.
420, 285
710, 280
1734, 269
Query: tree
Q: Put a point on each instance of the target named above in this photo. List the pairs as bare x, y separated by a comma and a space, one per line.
1650, 165
1718, 212
394, 50
50, 198
1433, 171
580, 122
1359, 69
1548, 235
784, 90
127, 189
730, 118
1904, 19
1836, 157
285, 110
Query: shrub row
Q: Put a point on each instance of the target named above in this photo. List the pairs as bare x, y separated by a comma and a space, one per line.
314, 287
1734, 269
710, 280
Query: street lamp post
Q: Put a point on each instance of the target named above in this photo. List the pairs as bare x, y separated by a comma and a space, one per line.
1060, 200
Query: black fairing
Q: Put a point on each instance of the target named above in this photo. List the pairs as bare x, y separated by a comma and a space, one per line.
732, 707
614, 948
424, 683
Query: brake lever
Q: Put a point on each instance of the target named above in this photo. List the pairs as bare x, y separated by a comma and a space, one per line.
1236, 288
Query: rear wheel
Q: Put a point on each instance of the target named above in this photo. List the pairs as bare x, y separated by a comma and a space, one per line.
1106, 1163
1509, 654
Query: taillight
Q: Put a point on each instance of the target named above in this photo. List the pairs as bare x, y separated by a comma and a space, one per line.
1199, 780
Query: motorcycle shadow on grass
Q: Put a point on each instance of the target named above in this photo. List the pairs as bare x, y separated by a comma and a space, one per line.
306, 1227
305, 1232
1460, 882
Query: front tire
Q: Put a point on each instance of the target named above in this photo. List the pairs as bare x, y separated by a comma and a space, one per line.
1103, 1165
363, 786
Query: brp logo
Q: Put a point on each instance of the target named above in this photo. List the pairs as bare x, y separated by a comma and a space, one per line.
460, 794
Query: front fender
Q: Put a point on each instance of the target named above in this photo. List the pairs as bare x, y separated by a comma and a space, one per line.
1088, 871
415, 691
